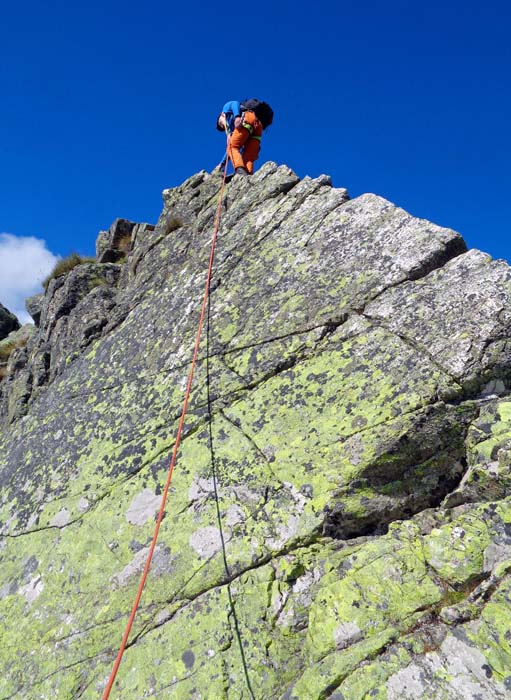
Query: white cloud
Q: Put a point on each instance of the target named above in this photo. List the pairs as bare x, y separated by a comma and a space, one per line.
24, 262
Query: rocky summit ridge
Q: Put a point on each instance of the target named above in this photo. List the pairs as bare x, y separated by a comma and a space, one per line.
360, 368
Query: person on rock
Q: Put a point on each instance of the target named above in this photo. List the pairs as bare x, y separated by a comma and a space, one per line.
244, 123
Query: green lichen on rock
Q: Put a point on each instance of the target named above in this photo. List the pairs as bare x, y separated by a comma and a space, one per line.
488, 476
362, 441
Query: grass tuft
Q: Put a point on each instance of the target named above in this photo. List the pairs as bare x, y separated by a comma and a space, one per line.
7, 348
124, 243
172, 224
62, 267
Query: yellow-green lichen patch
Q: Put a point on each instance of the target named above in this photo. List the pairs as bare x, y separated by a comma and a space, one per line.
270, 356
369, 679
106, 550
372, 622
456, 551
383, 586
321, 679
332, 396
91, 441
490, 432
327, 421
326, 426
492, 633
53, 606
204, 657
488, 477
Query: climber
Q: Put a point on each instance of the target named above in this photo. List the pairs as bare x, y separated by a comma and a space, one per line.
244, 122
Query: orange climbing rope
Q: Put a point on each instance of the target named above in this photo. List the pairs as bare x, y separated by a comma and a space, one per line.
129, 625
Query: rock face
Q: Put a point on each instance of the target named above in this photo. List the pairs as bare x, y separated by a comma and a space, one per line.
360, 368
8, 322
112, 245
33, 305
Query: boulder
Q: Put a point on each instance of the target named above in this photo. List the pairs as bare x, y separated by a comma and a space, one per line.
114, 244
8, 322
34, 305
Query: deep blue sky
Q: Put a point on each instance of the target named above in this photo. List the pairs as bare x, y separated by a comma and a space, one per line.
104, 104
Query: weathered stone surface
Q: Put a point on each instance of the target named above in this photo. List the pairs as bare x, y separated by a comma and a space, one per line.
460, 315
362, 437
8, 322
488, 476
70, 315
115, 244
16, 339
108, 242
15, 380
34, 305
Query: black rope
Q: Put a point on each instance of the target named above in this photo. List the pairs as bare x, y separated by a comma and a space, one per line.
217, 503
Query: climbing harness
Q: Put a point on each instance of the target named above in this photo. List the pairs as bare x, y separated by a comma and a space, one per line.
205, 309
250, 130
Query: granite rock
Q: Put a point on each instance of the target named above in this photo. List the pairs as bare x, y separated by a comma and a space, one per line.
8, 322
359, 370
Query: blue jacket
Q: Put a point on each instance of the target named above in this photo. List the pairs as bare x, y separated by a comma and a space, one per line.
231, 110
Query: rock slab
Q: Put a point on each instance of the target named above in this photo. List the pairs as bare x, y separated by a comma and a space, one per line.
360, 372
